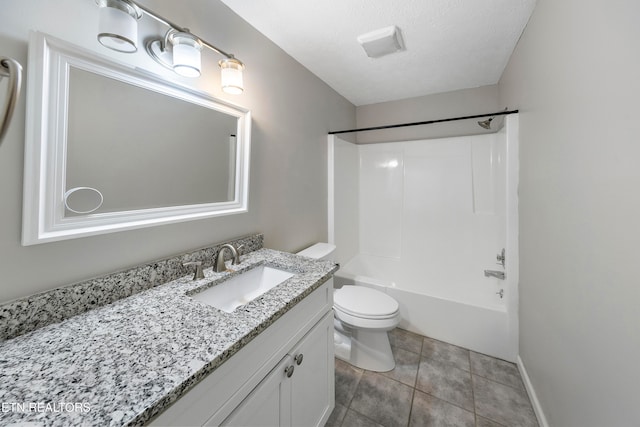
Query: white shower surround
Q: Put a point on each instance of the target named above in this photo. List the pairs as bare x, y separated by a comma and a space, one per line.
421, 220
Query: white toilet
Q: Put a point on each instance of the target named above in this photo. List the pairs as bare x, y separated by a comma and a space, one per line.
362, 318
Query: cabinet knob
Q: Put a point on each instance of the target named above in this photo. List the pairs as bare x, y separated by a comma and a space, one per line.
289, 371
298, 359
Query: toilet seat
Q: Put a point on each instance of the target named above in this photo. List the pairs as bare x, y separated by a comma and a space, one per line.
365, 308
364, 302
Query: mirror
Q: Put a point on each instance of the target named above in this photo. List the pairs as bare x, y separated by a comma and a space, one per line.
111, 148
187, 158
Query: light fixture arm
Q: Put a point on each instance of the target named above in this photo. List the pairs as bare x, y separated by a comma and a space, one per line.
180, 29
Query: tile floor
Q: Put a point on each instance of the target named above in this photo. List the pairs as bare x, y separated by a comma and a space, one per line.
433, 384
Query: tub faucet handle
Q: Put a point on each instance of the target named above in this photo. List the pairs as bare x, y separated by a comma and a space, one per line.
500, 257
493, 273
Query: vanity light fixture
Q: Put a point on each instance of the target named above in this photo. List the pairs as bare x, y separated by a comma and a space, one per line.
117, 25
179, 50
186, 54
231, 75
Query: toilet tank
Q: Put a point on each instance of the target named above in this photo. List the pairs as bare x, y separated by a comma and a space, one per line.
319, 251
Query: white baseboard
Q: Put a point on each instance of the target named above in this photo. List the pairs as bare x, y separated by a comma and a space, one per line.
542, 420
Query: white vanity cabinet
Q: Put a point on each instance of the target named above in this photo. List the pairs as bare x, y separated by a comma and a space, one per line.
313, 381
298, 391
268, 404
283, 377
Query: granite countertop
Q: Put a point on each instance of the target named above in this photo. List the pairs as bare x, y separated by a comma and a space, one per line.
123, 363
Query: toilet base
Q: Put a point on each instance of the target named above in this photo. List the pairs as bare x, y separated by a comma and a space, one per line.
342, 346
368, 350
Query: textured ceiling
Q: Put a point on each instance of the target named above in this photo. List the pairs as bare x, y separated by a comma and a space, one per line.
450, 44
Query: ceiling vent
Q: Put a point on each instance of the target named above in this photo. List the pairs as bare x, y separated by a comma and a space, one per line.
381, 42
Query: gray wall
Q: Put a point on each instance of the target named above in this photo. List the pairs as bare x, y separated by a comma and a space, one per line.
465, 102
575, 77
292, 112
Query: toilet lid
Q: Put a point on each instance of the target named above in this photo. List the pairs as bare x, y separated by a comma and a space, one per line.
360, 301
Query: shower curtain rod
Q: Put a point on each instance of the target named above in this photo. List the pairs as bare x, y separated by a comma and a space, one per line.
428, 122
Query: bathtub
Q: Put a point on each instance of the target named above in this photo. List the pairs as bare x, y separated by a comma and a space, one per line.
457, 308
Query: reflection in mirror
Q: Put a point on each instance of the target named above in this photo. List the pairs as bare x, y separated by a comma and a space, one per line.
112, 148
83, 200
187, 152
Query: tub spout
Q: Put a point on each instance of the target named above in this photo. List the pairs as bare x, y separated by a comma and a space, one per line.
494, 273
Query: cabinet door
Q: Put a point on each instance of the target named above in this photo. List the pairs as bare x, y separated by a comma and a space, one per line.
299, 391
312, 384
268, 404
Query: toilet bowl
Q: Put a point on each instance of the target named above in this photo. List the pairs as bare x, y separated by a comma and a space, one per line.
362, 318
365, 316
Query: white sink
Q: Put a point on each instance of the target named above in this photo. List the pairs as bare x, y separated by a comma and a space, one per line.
243, 288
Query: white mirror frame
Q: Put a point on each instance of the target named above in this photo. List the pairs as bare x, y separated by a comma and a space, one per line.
45, 147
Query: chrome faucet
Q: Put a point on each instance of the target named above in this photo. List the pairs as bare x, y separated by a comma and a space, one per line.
218, 262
